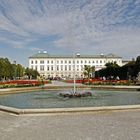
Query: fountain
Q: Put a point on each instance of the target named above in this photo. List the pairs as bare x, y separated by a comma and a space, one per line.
75, 93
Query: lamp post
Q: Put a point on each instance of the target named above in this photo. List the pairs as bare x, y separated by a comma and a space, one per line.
74, 85
74, 69
15, 70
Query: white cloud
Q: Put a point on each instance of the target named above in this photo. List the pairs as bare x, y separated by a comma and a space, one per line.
36, 49
86, 25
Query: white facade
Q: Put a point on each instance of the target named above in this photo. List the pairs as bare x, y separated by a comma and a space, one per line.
63, 66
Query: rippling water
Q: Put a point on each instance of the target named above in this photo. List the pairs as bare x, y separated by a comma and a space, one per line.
51, 99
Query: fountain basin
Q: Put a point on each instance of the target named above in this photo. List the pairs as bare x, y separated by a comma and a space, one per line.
51, 99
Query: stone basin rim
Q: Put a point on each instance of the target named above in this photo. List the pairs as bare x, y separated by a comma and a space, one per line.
18, 111
16, 90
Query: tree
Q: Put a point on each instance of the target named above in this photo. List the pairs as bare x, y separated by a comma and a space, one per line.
138, 60
137, 66
31, 73
88, 71
19, 70
6, 69
112, 69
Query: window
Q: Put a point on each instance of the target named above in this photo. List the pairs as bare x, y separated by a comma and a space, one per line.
81, 61
65, 67
41, 68
96, 61
69, 67
48, 61
48, 68
52, 61
57, 68
93, 62
35, 67
69, 62
100, 61
61, 67
77, 68
61, 62
77, 62
51, 67
32, 62
41, 61
36, 61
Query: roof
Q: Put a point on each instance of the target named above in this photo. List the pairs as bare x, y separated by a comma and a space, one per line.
46, 55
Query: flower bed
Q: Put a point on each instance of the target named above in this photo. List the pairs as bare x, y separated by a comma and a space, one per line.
22, 83
71, 81
99, 82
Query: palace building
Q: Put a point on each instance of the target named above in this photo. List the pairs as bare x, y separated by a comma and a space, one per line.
65, 66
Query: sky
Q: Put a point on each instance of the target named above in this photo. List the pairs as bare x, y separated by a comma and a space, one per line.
69, 26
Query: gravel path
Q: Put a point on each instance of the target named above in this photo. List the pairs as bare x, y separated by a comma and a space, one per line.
123, 125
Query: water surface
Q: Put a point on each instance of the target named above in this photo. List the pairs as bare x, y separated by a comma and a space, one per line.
51, 99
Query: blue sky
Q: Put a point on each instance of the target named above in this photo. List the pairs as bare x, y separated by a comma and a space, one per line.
68, 26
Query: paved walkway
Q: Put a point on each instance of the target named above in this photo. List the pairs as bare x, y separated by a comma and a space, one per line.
89, 126
60, 83
110, 125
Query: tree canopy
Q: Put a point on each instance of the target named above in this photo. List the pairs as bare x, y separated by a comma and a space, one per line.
88, 71
129, 70
31, 73
6, 68
14, 71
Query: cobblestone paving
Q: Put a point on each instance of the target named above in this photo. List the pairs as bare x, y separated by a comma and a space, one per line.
121, 125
